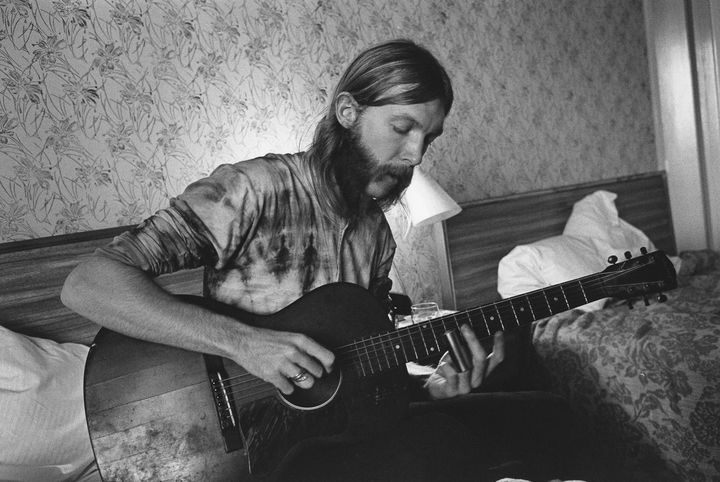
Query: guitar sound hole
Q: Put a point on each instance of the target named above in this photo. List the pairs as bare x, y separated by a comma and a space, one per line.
320, 394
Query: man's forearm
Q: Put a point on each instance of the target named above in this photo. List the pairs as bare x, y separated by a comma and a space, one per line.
126, 300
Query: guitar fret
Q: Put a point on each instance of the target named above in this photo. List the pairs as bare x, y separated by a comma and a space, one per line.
442, 320
401, 345
562, 290
522, 309
487, 328
368, 358
538, 305
362, 368
547, 302
437, 343
532, 311
392, 345
456, 322
582, 289
499, 316
579, 295
517, 320
412, 343
387, 360
422, 336
558, 302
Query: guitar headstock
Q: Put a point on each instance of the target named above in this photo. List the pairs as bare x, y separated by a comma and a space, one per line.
646, 274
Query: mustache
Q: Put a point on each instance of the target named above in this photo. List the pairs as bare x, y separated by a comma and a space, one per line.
400, 171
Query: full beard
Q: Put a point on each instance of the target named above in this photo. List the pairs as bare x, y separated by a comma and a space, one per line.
356, 167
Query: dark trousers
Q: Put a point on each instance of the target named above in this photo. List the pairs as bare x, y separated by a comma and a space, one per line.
484, 436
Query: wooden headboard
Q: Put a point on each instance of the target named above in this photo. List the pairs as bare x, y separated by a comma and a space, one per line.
485, 231
32, 273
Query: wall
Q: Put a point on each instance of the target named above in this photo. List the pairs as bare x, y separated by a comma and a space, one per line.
678, 133
108, 109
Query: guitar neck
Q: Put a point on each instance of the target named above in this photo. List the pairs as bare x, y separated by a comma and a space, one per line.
426, 341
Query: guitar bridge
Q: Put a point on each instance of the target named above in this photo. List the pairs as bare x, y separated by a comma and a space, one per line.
224, 403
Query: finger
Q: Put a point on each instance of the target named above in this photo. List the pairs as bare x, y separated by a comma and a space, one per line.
317, 351
447, 371
478, 353
306, 383
498, 354
282, 383
305, 362
302, 378
463, 384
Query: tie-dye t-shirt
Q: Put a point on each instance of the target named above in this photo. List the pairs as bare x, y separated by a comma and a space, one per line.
263, 234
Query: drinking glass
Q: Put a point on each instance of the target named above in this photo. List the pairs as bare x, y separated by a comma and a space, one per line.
427, 310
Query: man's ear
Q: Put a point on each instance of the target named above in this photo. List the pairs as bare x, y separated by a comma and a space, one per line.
347, 110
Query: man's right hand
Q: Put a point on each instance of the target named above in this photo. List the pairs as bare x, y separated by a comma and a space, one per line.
278, 356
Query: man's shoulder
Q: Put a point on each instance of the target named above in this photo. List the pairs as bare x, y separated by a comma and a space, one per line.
268, 164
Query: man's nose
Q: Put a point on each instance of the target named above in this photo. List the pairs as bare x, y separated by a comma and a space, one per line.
414, 152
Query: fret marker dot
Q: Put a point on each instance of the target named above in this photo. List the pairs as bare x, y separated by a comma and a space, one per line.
555, 298
522, 308
492, 317
432, 348
397, 347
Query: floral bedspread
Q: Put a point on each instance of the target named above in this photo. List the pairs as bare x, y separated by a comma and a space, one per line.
645, 382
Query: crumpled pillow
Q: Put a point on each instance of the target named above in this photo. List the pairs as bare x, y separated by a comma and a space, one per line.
596, 217
593, 232
548, 262
42, 414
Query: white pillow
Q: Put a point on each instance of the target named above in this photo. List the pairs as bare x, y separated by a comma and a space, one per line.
42, 414
596, 217
548, 262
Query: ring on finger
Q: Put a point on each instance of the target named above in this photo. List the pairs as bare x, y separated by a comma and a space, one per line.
300, 377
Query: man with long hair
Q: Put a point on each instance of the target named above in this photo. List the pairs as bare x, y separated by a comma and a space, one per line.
271, 229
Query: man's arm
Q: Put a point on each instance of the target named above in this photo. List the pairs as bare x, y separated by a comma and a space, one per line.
125, 299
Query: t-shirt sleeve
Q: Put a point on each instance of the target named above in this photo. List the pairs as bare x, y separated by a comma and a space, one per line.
205, 225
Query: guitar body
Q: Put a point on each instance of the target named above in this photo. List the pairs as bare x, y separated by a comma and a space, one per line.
153, 413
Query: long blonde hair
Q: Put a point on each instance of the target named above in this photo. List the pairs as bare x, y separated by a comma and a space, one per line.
372, 79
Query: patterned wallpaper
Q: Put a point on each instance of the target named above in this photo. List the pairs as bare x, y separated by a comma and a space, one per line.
108, 108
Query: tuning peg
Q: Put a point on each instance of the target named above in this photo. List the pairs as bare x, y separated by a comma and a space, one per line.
643, 250
628, 255
612, 259
661, 298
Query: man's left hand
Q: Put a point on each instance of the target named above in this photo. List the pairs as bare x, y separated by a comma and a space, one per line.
447, 382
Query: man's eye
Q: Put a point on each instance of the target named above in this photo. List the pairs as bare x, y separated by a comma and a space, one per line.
401, 130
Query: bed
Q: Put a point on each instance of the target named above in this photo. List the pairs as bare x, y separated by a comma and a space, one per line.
644, 383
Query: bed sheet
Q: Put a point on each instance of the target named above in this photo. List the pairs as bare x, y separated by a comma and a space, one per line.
645, 382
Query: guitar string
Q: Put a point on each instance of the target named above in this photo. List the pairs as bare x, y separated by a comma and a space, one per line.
380, 347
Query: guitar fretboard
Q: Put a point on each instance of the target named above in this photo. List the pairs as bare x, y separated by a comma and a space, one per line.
425, 342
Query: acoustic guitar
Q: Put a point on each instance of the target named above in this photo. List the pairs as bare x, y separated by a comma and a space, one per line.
156, 412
